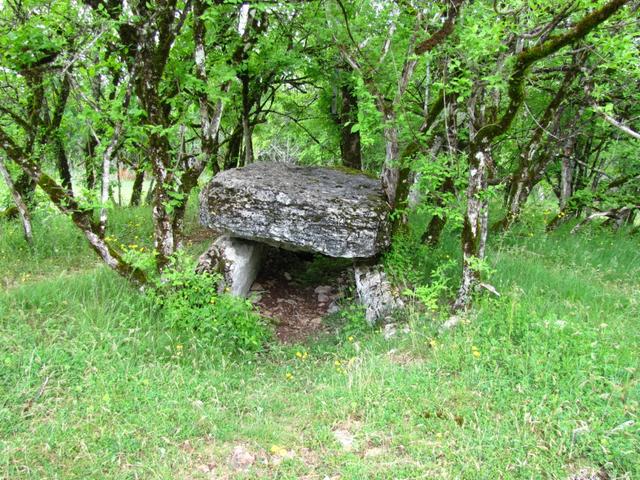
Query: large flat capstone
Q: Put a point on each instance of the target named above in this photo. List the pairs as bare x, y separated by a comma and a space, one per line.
315, 209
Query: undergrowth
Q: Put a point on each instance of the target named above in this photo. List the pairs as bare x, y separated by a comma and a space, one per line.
541, 382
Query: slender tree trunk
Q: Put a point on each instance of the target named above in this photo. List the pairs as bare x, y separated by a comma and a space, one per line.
26, 187
518, 191
390, 170
136, 190
232, 157
106, 172
247, 129
89, 166
350, 146
62, 163
474, 231
566, 177
432, 234
148, 199
20, 203
210, 116
164, 241
119, 179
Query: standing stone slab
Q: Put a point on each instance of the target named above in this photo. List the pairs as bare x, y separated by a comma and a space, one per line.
375, 293
315, 209
238, 260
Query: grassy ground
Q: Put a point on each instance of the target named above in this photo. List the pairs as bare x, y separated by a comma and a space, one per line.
539, 383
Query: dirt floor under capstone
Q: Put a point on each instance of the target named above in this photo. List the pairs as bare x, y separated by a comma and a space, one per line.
297, 291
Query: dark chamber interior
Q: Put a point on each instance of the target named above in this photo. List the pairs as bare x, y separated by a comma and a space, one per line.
298, 290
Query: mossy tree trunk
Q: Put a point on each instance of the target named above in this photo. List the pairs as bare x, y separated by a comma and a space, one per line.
347, 118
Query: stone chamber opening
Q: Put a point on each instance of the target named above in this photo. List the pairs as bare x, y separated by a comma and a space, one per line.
301, 292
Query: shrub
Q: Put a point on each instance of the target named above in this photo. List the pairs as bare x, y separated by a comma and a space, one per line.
192, 306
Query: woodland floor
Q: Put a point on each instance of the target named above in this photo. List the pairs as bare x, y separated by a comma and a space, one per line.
542, 382
295, 299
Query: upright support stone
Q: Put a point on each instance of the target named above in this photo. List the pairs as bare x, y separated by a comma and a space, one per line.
375, 293
238, 261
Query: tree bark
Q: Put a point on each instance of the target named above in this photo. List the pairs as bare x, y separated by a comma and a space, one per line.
247, 129
432, 234
391, 169
474, 230
136, 190
89, 167
350, 146
23, 211
566, 176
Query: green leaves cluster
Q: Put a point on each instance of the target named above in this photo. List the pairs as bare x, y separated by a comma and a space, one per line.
193, 308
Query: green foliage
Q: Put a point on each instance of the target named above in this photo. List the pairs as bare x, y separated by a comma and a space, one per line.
194, 310
353, 323
431, 174
431, 295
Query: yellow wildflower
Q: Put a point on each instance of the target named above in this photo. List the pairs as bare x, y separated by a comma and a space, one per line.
278, 450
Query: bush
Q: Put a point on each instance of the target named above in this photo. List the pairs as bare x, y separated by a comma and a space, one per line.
192, 306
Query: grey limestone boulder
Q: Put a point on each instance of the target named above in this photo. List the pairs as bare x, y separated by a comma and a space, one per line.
324, 210
238, 261
375, 293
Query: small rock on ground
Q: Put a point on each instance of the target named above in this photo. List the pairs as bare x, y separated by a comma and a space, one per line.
590, 474
389, 331
344, 438
241, 458
323, 289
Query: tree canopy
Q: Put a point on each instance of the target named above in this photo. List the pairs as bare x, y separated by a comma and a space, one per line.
458, 106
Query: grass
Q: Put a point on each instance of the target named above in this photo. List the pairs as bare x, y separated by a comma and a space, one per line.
538, 383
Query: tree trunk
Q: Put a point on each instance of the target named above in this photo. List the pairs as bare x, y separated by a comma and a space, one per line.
247, 129
149, 196
26, 187
566, 177
62, 162
518, 192
89, 166
390, 170
136, 190
20, 204
350, 147
431, 235
474, 231
232, 158
164, 241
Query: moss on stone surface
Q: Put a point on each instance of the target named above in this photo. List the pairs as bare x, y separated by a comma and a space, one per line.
352, 171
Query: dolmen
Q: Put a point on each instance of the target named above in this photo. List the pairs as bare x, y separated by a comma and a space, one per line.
325, 210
